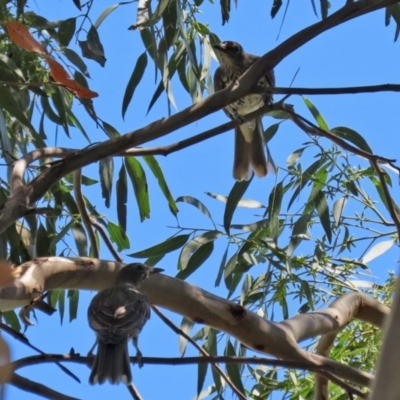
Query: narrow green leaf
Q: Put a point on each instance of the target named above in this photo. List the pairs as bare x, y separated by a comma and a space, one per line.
201, 376
243, 203
154, 166
122, 197
66, 31
270, 132
190, 248
106, 172
316, 114
134, 80
338, 208
299, 233
294, 157
139, 183
110, 130
321, 205
74, 57
186, 327
274, 208
237, 192
221, 267
10, 103
48, 110
43, 242
195, 203
377, 251
92, 47
353, 137
196, 259
276, 5
11, 319
61, 234
152, 261
228, 272
305, 177
171, 244
233, 369
73, 297
106, 12
60, 102
325, 5
253, 226
118, 236
80, 239
61, 304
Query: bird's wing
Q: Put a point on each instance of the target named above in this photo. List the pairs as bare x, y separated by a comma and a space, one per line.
118, 312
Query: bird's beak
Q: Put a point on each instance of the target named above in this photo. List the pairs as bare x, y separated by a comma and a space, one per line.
220, 47
154, 270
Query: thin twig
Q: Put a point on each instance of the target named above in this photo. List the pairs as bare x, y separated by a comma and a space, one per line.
340, 90
37, 388
23, 339
302, 365
106, 239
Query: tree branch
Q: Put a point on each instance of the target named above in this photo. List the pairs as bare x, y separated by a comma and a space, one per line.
326, 370
37, 388
279, 339
18, 204
340, 90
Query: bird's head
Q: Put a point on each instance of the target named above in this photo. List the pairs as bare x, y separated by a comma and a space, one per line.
136, 273
230, 52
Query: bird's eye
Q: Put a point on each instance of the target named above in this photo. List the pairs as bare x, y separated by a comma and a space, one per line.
235, 49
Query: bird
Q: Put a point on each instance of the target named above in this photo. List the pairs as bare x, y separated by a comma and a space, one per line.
249, 140
117, 314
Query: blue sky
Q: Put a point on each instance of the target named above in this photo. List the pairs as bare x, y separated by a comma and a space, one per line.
360, 52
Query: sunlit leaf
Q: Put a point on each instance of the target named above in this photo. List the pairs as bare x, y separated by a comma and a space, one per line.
167, 246
195, 203
338, 209
377, 251
316, 114
191, 247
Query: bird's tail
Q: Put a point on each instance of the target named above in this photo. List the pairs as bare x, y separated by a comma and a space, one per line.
111, 363
249, 150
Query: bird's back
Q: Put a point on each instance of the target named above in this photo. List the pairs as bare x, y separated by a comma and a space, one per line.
118, 312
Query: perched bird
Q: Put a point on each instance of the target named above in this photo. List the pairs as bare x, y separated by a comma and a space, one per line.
249, 142
117, 314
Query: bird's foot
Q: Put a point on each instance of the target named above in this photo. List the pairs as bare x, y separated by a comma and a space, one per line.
139, 358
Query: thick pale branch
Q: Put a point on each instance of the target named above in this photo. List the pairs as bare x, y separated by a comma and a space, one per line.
22, 199
278, 339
